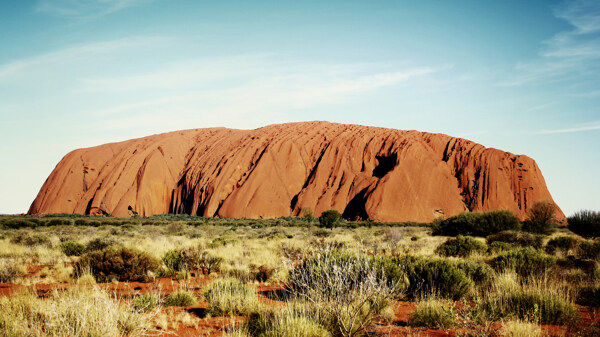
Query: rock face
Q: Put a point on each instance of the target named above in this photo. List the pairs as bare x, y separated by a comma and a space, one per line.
363, 172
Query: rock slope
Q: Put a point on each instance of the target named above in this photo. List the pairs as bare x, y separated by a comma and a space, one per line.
363, 172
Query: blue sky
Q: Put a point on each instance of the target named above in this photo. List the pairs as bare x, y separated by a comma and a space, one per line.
521, 76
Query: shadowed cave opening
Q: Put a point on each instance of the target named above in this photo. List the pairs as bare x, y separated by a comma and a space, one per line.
386, 164
355, 210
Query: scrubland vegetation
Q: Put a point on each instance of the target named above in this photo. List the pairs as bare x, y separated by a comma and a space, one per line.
475, 274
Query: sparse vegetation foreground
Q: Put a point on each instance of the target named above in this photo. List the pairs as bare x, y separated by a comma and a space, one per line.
475, 274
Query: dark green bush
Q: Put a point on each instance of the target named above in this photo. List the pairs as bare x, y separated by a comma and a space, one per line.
478, 272
589, 296
541, 218
330, 218
117, 263
525, 261
517, 239
589, 249
440, 277
499, 247
561, 244
100, 244
20, 223
461, 246
72, 248
477, 224
174, 260
31, 240
585, 223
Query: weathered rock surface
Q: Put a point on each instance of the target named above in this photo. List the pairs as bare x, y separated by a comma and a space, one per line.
363, 172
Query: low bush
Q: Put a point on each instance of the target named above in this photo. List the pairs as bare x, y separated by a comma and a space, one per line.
438, 277
174, 261
461, 246
478, 272
433, 314
145, 302
72, 248
117, 263
499, 247
589, 249
585, 223
525, 262
517, 239
31, 240
228, 297
180, 298
561, 244
477, 224
100, 244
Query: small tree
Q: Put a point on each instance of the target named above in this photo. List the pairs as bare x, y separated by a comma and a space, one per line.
329, 219
541, 218
307, 214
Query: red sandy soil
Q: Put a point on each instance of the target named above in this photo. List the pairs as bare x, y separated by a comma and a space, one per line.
216, 326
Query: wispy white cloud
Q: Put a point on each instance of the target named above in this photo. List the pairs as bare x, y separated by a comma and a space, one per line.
78, 53
568, 54
84, 8
592, 126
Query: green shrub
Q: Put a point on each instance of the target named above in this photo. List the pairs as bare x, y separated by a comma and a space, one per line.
228, 297
517, 239
330, 218
100, 244
223, 241
589, 249
499, 247
461, 246
145, 302
433, 314
20, 223
174, 261
585, 223
180, 298
525, 262
31, 240
541, 218
561, 244
117, 263
72, 248
477, 224
589, 296
439, 277
478, 272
